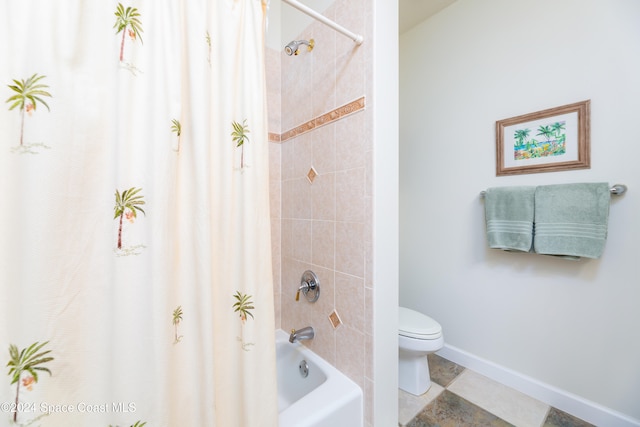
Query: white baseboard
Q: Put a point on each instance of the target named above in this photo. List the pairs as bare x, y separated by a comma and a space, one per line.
570, 403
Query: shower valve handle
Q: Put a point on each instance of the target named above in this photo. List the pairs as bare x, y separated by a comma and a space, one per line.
301, 288
310, 286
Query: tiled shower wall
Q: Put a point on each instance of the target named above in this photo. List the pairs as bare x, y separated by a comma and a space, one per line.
325, 225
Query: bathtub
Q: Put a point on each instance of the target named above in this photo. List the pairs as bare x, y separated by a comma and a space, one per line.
325, 398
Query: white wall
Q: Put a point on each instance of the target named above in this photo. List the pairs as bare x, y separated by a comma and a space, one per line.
572, 325
385, 227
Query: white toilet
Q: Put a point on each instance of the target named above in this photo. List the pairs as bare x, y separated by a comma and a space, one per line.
418, 335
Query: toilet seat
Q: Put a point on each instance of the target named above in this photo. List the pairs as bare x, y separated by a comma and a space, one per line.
413, 324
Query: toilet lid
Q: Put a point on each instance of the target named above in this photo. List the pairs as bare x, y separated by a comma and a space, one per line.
417, 325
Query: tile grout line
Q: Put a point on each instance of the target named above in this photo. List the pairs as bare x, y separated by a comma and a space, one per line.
455, 379
546, 415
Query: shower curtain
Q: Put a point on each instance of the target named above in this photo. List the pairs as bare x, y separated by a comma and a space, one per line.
135, 263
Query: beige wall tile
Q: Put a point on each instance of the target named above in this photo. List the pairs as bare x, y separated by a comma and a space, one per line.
350, 300
350, 195
350, 83
324, 148
350, 248
287, 161
287, 202
350, 353
368, 364
351, 142
301, 202
302, 155
368, 403
276, 252
324, 83
301, 240
350, 14
323, 244
323, 197
286, 240
368, 315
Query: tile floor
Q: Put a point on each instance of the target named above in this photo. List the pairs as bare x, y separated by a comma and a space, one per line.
462, 397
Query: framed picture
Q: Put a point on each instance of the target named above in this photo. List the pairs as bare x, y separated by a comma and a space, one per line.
551, 140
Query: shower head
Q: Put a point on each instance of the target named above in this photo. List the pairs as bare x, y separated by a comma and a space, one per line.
293, 47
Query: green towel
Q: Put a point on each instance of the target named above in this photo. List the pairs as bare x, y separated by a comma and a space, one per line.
509, 213
571, 219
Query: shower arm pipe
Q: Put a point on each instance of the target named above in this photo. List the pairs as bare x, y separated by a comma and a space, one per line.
357, 38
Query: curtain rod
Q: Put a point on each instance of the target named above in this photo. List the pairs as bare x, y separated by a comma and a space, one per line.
357, 38
616, 190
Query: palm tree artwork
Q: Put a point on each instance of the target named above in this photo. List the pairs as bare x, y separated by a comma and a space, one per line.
240, 136
560, 136
29, 360
553, 144
557, 128
127, 22
243, 306
28, 93
521, 135
127, 206
545, 131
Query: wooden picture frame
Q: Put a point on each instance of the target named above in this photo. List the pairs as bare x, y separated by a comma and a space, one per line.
550, 140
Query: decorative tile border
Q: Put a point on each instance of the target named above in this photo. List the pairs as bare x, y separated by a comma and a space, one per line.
274, 137
331, 116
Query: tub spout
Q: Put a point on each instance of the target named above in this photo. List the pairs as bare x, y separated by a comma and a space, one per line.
301, 334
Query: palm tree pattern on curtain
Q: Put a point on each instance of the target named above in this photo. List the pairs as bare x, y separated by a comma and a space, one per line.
28, 93
128, 22
239, 137
176, 128
127, 18
207, 38
29, 360
25, 364
177, 318
243, 307
127, 206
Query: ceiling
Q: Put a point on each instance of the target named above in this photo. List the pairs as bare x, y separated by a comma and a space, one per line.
412, 12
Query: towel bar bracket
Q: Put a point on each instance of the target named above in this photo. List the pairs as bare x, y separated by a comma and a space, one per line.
618, 189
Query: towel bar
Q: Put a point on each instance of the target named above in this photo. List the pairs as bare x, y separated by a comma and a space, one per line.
617, 189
